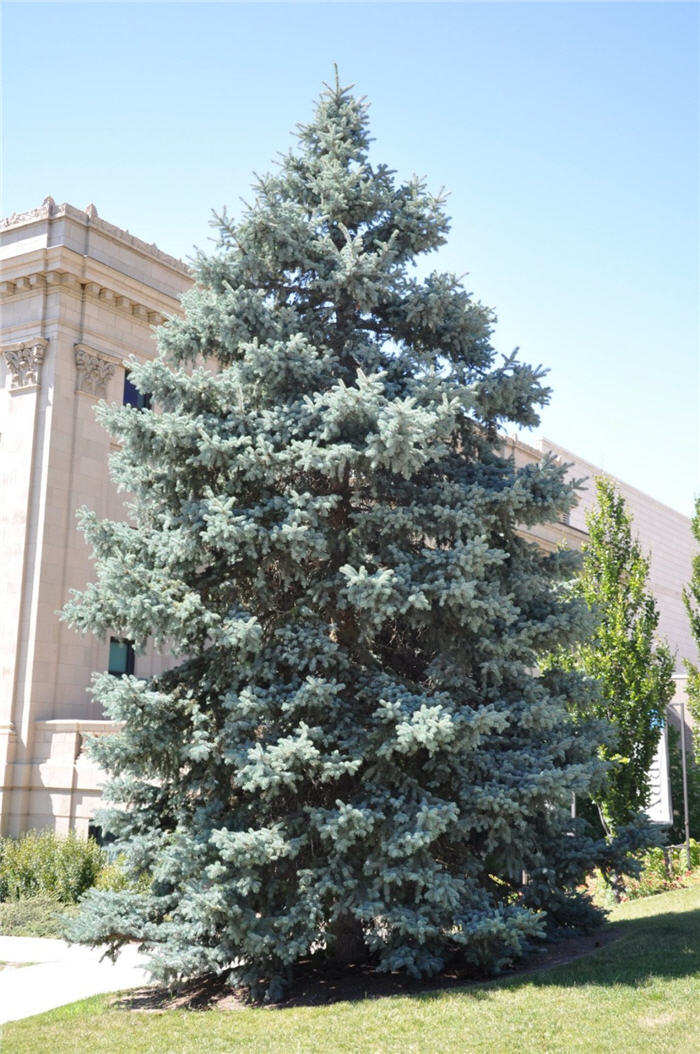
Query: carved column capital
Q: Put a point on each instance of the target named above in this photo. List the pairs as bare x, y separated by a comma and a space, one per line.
24, 361
94, 371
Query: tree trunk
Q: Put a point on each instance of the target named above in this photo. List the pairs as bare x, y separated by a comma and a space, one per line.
346, 941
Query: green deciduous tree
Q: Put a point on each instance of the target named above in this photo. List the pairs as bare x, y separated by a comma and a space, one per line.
691, 599
675, 765
633, 671
352, 753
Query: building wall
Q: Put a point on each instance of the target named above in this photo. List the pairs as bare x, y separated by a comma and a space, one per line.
79, 296
664, 534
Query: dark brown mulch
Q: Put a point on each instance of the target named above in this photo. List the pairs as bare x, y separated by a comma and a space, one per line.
318, 987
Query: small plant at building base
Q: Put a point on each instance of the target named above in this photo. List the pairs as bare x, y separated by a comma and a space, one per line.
645, 873
352, 752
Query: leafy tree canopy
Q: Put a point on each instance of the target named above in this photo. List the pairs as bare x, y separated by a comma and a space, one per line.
691, 599
634, 672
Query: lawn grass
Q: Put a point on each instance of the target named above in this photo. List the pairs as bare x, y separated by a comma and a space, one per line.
640, 994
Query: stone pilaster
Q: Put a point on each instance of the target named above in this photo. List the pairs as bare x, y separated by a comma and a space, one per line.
8, 739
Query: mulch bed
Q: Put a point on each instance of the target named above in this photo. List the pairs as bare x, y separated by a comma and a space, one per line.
318, 987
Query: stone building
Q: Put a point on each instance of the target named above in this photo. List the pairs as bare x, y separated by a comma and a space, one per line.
79, 298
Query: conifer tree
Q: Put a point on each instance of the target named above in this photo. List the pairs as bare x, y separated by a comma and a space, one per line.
633, 671
352, 752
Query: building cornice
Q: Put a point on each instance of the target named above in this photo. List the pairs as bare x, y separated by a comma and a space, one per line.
39, 276
50, 210
79, 724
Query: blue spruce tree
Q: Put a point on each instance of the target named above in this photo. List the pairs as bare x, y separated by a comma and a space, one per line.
352, 753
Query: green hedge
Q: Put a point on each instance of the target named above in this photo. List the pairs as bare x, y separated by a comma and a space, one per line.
35, 917
42, 864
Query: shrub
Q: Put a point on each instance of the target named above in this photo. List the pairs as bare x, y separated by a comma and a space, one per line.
40, 863
659, 871
34, 917
114, 877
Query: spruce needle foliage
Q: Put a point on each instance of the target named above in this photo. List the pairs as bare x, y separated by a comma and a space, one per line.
352, 753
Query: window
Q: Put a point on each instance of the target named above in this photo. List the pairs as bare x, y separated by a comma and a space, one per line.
95, 831
121, 657
133, 397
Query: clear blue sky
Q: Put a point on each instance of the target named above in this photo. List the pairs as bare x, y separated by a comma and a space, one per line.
566, 133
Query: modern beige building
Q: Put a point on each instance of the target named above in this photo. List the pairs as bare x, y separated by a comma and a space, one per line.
79, 297
664, 535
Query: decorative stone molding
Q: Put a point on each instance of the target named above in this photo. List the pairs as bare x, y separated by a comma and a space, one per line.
18, 218
24, 361
49, 209
94, 371
92, 290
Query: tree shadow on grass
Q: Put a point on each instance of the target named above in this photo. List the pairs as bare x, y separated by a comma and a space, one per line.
663, 946
627, 953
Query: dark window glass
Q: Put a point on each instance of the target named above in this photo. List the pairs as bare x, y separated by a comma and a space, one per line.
121, 657
133, 397
96, 832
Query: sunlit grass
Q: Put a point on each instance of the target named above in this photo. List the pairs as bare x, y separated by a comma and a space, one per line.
639, 994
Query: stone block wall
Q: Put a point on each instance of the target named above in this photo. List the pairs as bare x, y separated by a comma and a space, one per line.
79, 297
